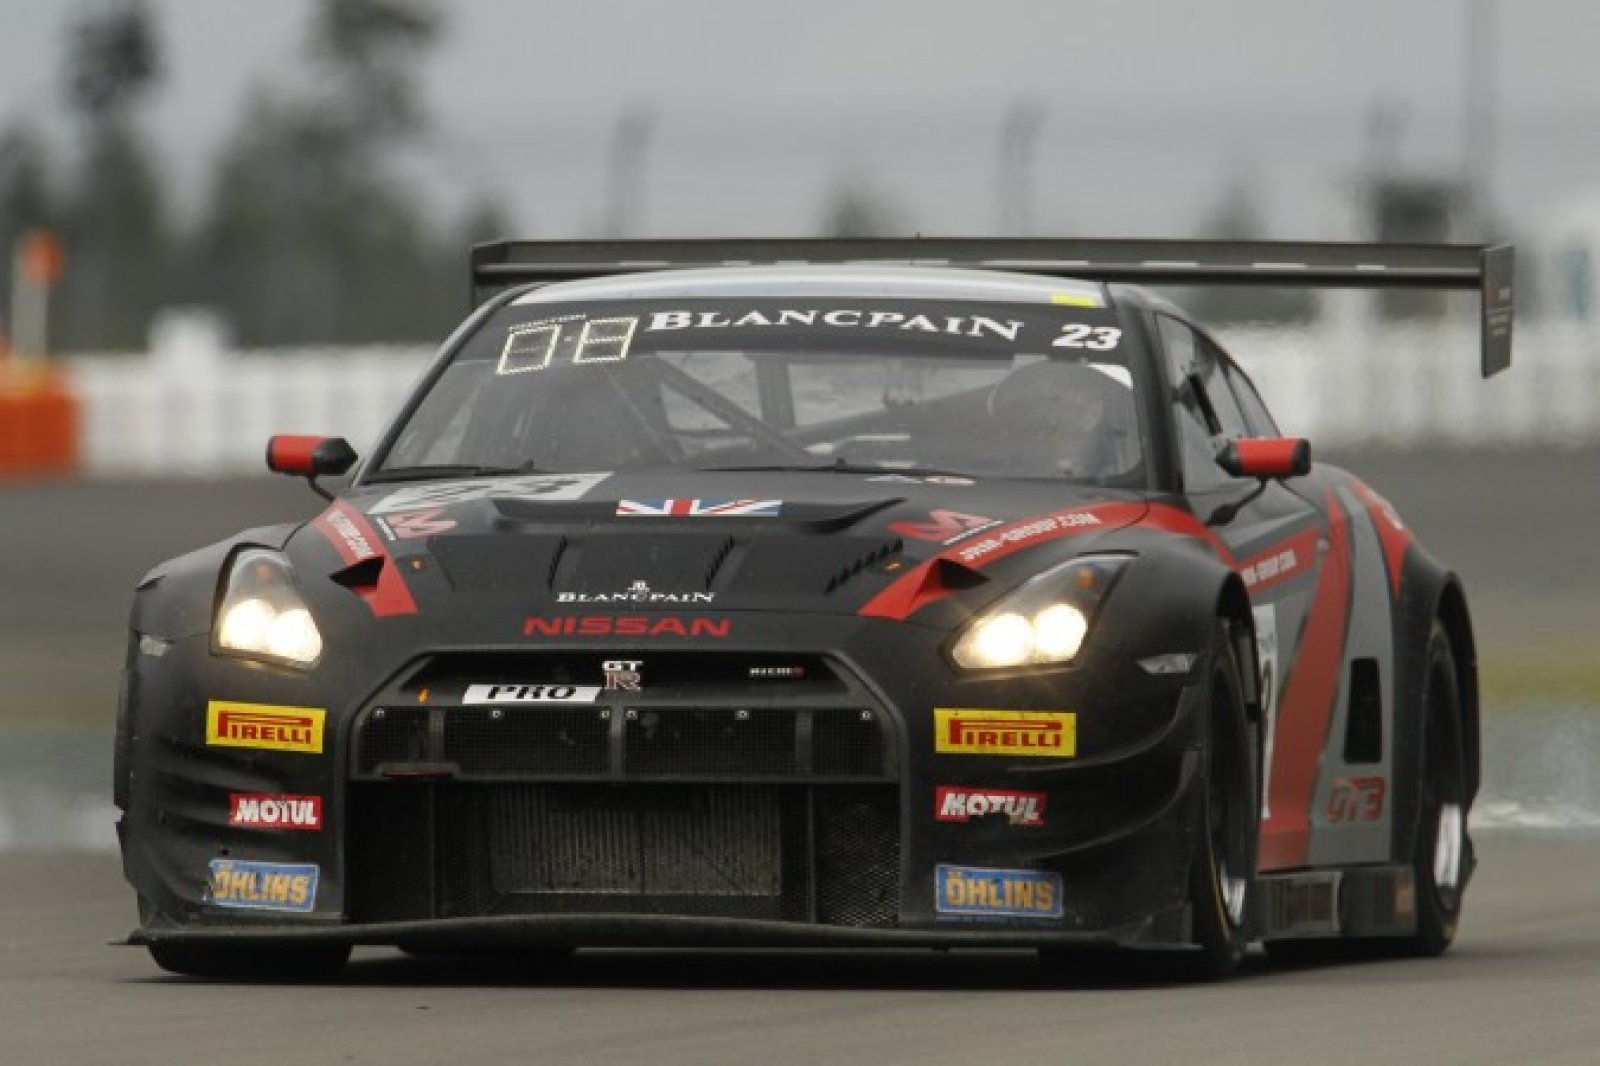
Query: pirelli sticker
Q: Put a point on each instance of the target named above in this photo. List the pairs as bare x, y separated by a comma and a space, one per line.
264, 726
972, 731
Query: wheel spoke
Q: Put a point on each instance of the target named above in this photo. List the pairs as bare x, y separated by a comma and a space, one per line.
1447, 847
1233, 894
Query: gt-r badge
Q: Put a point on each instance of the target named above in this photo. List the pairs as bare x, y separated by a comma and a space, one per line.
622, 675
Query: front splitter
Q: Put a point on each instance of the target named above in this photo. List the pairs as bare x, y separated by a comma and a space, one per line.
662, 931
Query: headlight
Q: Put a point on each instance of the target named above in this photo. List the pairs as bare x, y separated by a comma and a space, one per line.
1044, 621
262, 615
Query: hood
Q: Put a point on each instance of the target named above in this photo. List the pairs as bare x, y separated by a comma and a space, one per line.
885, 545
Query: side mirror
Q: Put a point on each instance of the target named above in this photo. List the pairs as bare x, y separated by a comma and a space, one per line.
1266, 457
311, 457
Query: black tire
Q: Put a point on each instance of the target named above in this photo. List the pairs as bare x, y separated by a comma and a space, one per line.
1442, 858
275, 962
1221, 877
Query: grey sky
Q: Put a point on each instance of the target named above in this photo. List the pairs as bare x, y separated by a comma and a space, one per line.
760, 107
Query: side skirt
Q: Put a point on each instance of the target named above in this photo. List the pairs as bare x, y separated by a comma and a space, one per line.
1356, 901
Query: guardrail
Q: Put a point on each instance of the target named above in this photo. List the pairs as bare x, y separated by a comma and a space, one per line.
210, 413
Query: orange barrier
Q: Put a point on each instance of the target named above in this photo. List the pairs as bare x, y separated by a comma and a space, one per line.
38, 422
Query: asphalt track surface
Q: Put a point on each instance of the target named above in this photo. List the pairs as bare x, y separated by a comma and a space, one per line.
1521, 986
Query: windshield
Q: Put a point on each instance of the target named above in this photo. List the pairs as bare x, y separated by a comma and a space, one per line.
936, 386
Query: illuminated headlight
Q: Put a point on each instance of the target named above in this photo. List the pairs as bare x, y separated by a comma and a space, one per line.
262, 615
1044, 621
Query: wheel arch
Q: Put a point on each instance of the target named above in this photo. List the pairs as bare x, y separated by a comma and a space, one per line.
1429, 593
1457, 621
1233, 608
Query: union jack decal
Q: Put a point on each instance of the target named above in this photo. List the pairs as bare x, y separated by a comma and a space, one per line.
700, 508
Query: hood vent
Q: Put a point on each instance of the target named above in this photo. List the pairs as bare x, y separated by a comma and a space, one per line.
871, 557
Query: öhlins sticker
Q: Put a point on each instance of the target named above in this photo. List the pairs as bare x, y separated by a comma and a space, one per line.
966, 891
263, 886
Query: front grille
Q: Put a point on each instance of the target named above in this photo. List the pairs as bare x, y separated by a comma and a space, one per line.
392, 735
703, 743
826, 854
491, 741
706, 741
703, 842
856, 836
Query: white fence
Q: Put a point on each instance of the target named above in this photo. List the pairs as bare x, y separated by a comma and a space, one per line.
1419, 385
211, 415
206, 413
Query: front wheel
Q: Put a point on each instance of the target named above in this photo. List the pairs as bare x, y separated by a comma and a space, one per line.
1223, 870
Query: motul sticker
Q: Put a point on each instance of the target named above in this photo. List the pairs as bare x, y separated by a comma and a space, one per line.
250, 810
969, 731
954, 804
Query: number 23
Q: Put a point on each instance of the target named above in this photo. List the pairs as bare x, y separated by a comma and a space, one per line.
1099, 338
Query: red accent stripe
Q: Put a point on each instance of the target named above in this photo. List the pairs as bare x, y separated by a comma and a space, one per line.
356, 541
1176, 520
1392, 533
1307, 707
920, 587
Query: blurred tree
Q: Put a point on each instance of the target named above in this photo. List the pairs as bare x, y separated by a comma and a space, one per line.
25, 201
855, 210
368, 51
310, 234
1237, 217
114, 223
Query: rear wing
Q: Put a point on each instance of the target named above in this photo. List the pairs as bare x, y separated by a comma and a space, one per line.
1487, 269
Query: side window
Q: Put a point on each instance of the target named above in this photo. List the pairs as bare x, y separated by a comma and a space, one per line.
1204, 409
1256, 415
1211, 365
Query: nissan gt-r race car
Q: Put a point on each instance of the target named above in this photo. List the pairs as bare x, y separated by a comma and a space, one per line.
799, 593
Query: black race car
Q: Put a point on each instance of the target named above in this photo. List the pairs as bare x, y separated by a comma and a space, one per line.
927, 593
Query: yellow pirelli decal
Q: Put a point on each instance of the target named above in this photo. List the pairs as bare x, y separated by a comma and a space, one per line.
977, 731
1074, 299
264, 726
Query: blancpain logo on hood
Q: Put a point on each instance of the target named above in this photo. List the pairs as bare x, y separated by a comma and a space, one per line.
638, 592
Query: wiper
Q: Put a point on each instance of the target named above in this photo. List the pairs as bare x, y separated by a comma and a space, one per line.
840, 466
763, 466
422, 473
